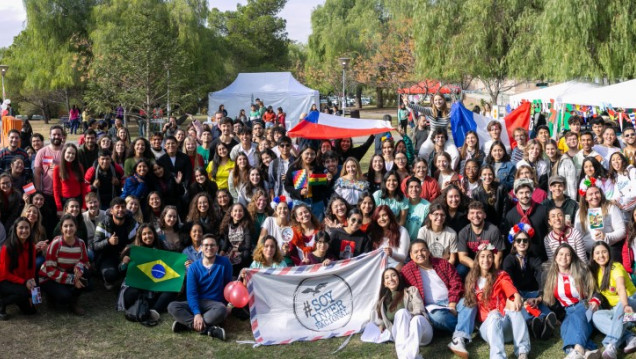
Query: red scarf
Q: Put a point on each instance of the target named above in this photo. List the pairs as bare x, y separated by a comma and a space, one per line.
562, 238
525, 215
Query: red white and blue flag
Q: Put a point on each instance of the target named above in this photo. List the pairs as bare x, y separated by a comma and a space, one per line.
322, 126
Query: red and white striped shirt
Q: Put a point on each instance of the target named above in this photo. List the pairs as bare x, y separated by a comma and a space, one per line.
566, 292
61, 260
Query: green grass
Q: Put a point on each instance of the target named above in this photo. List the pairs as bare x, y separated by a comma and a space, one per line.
104, 333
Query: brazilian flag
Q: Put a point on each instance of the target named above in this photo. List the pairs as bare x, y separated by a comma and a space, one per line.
155, 270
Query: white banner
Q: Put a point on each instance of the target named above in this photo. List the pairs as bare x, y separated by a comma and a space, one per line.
314, 302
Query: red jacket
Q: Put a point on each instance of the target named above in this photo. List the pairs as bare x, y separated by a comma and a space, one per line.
628, 257
430, 188
23, 271
502, 290
445, 271
71, 187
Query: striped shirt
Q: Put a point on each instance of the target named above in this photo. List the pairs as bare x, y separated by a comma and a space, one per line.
566, 292
61, 260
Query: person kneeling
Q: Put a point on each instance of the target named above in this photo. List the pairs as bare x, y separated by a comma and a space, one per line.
400, 310
205, 308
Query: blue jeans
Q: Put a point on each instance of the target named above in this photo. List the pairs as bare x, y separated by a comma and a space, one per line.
498, 329
461, 325
462, 270
575, 329
610, 323
542, 307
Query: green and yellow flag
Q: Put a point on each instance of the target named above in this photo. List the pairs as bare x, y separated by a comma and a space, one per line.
155, 270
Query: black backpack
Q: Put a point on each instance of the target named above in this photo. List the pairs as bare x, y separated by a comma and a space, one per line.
140, 312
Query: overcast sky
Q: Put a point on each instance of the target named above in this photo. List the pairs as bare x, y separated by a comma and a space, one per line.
296, 12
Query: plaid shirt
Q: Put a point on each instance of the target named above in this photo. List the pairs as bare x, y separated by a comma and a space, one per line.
444, 270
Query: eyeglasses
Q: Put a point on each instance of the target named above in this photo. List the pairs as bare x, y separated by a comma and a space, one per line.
521, 240
630, 135
208, 245
355, 220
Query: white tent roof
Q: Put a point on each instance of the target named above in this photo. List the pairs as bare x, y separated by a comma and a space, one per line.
621, 95
276, 89
556, 92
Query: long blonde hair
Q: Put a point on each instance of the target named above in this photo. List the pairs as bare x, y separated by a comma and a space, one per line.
583, 279
38, 232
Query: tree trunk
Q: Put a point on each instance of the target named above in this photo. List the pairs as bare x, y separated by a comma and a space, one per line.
359, 96
380, 95
68, 101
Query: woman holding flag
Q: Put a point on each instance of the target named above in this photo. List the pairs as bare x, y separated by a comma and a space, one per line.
305, 181
158, 301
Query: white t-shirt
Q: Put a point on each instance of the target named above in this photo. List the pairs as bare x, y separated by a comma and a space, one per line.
401, 251
437, 291
282, 234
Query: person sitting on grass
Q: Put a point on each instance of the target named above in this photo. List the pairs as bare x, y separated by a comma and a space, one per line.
158, 301
17, 269
63, 275
205, 307
401, 311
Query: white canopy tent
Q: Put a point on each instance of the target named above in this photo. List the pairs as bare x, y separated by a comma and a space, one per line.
276, 89
556, 92
621, 95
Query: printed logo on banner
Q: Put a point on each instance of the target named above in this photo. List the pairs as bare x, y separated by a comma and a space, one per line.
323, 304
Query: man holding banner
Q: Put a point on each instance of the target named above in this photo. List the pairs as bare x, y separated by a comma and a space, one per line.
205, 308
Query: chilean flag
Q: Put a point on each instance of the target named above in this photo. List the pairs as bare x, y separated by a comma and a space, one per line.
322, 126
463, 120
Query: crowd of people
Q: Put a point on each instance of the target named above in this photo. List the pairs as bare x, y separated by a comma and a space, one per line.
512, 241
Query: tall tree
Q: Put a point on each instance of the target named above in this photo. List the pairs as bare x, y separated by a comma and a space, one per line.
375, 34
50, 56
137, 57
255, 37
474, 38
587, 39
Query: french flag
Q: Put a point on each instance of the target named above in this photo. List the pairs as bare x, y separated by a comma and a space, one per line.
321, 126
463, 120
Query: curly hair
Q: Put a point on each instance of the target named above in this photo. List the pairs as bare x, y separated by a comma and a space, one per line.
193, 212
245, 222
258, 252
251, 207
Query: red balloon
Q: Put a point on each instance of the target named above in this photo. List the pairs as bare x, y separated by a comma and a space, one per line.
239, 297
228, 290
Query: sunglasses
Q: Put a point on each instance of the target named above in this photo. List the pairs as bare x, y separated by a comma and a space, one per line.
522, 240
284, 145
630, 135
355, 220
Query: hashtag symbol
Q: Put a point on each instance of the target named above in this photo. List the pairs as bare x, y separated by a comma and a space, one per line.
307, 308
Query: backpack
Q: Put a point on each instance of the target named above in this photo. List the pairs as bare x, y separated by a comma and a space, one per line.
140, 312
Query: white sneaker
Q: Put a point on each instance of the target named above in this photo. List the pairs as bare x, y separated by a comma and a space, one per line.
458, 347
574, 355
631, 345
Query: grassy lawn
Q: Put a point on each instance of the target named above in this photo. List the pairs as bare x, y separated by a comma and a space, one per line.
104, 333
